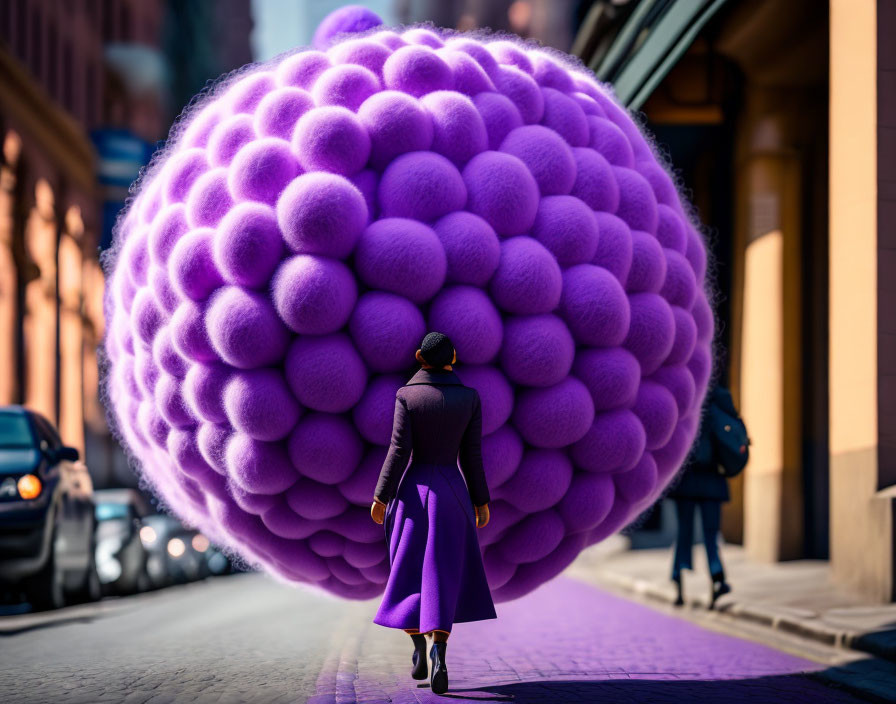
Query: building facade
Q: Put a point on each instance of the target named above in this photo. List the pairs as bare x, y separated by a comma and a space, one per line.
79, 76
780, 117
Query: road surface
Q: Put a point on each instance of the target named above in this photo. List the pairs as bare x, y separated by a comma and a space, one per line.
247, 638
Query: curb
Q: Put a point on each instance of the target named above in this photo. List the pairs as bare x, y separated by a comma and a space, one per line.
793, 625
871, 675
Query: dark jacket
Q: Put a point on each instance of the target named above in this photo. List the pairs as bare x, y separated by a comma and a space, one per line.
439, 419
700, 478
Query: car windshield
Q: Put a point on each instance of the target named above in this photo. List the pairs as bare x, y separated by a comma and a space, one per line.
15, 432
108, 512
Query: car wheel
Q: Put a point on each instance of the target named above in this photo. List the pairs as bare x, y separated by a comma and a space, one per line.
91, 588
46, 589
144, 583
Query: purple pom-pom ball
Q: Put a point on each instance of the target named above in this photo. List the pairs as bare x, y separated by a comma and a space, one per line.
313, 218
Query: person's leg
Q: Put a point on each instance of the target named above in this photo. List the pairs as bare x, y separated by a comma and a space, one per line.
684, 510
711, 520
438, 676
418, 659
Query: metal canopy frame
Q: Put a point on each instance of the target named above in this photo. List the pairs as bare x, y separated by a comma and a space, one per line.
635, 64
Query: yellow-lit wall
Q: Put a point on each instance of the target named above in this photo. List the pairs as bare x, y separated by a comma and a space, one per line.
861, 518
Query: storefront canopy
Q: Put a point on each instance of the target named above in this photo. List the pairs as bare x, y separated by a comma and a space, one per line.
647, 44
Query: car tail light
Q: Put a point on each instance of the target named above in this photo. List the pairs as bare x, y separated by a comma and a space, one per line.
29, 486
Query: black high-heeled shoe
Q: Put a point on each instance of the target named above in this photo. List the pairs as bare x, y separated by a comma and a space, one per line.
439, 673
419, 657
719, 588
679, 598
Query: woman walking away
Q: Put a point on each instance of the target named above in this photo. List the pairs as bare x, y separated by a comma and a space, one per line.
430, 514
704, 486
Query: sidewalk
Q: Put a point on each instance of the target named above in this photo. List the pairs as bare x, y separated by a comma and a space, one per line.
795, 598
569, 641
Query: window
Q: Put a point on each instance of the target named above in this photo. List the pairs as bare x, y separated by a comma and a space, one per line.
111, 511
46, 431
15, 432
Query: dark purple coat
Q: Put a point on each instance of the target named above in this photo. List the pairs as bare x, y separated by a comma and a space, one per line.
436, 575
439, 420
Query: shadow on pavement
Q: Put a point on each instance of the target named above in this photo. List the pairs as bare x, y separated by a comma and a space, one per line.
778, 688
82, 618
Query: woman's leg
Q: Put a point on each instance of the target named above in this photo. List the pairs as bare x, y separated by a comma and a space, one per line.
711, 517
438, 676
418, 658
684, 510
711, 520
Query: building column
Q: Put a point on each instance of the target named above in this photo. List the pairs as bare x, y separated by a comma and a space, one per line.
9, 385
39, 321
93, 331
861, 201
766, 337
71, 387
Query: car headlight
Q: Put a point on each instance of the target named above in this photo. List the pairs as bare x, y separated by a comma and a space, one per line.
29, 486
176, 547
148, 535
200, 543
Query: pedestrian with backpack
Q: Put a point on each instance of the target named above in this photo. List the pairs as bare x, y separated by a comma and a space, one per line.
720, 452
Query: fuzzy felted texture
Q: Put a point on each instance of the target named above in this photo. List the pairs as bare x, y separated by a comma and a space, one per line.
321, 213
495, 393
472, 249
421, 185
402, 256
259, 403
567, 227
547, 156
311, 218
386, 329
528, 278
554, 416
314, 295
470, 319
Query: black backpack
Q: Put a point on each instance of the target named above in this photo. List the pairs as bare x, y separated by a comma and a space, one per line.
729, 434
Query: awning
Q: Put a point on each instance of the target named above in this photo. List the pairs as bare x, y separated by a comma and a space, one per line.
649, 43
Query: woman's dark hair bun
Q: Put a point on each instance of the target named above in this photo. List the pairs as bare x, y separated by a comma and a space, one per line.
437, 349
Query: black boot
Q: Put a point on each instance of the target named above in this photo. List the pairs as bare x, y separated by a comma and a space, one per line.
439, 675
679, 599
719, 587
419, 657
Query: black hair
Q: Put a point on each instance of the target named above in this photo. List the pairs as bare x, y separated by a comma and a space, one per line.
437, 349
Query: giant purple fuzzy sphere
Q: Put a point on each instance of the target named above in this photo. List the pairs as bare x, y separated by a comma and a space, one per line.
315, 216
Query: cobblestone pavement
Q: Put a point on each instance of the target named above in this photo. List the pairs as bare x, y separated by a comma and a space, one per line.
247, 638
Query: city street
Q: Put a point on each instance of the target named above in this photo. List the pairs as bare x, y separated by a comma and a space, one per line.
246, 638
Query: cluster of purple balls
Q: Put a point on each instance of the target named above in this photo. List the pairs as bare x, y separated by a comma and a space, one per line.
319, 215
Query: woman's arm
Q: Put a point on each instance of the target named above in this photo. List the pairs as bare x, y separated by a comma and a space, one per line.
471, 457
399, 452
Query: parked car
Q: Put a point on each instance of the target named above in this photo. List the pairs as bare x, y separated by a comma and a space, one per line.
176, 554
218, 563
121, 558
157, 530
46, 514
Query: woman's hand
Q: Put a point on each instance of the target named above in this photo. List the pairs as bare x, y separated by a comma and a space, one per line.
378, 511
482, 515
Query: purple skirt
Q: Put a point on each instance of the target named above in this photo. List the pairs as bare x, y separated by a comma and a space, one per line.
436, 577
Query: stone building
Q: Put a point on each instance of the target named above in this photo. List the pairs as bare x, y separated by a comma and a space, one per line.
86, 87
781, 117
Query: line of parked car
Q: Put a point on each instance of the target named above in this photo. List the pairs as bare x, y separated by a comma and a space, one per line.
62, 542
